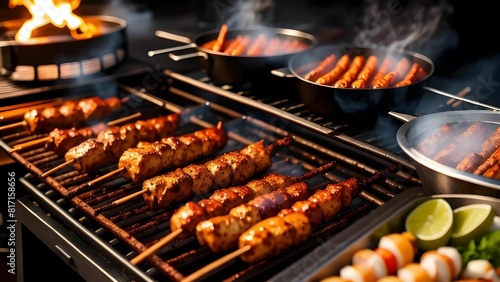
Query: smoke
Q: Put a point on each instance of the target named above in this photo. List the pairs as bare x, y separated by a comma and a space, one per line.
404, 25
245, 13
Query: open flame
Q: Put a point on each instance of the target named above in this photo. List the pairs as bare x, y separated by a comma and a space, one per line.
57, 12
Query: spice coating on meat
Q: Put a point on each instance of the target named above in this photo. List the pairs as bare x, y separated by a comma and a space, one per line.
242, 217
222, 201
173, 152
86, 154
114, 141
275, 235
69, 114
231, 168
64, 139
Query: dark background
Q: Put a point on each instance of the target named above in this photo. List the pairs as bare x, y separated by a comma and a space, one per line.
459, 36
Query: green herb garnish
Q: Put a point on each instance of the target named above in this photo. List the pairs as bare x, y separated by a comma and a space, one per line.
487, 247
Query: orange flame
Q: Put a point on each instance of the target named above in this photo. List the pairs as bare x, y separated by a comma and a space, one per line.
57, 12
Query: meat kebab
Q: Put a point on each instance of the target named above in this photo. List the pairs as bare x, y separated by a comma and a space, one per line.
60, 140
109, 144
272, 230
184, 220
69, 114
229, 169
294, 225
221, 233
152, 158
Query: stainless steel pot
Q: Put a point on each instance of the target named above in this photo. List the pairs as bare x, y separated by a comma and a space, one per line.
438, 178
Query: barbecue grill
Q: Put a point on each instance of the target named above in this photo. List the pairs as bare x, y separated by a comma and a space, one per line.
97, 235
117, 235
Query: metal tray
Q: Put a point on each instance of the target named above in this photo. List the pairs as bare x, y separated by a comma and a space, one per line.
337, 251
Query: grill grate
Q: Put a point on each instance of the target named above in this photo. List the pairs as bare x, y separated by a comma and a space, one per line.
121, 232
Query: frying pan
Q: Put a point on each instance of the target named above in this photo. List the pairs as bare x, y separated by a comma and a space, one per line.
229, 69
55, 48
438, 178
348, 102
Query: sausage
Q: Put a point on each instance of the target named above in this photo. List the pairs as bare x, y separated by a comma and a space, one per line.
341, 66
490, 145
385, 81
401, 68
272, 46
231, 45
242, 45
366, 73
325, 65
221, 38
470, 162
257, 45
411, 77
351, 73
491, 161
450, 155
384, 68
430, 145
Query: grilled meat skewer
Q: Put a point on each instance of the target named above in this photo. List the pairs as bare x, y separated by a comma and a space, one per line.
69, 114
221, 233
151, 158
229, 169
221, 202
108, 146
61, 140
290, 226
294, 225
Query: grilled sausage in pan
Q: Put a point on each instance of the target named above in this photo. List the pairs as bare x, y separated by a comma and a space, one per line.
322, 97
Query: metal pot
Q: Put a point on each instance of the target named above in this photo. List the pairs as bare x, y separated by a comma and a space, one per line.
348, 102
438, 178
229, 69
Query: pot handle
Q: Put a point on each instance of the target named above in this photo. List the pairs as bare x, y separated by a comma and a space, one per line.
401, 116
172, 36
283, 72
188, 56
168, 50
461, 98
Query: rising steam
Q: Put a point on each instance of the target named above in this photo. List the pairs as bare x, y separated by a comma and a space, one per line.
399, 25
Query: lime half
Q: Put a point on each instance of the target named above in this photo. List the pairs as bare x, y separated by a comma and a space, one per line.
431, 223
471, 222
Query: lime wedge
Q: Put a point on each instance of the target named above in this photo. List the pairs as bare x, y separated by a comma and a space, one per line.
471, 222
431, 223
